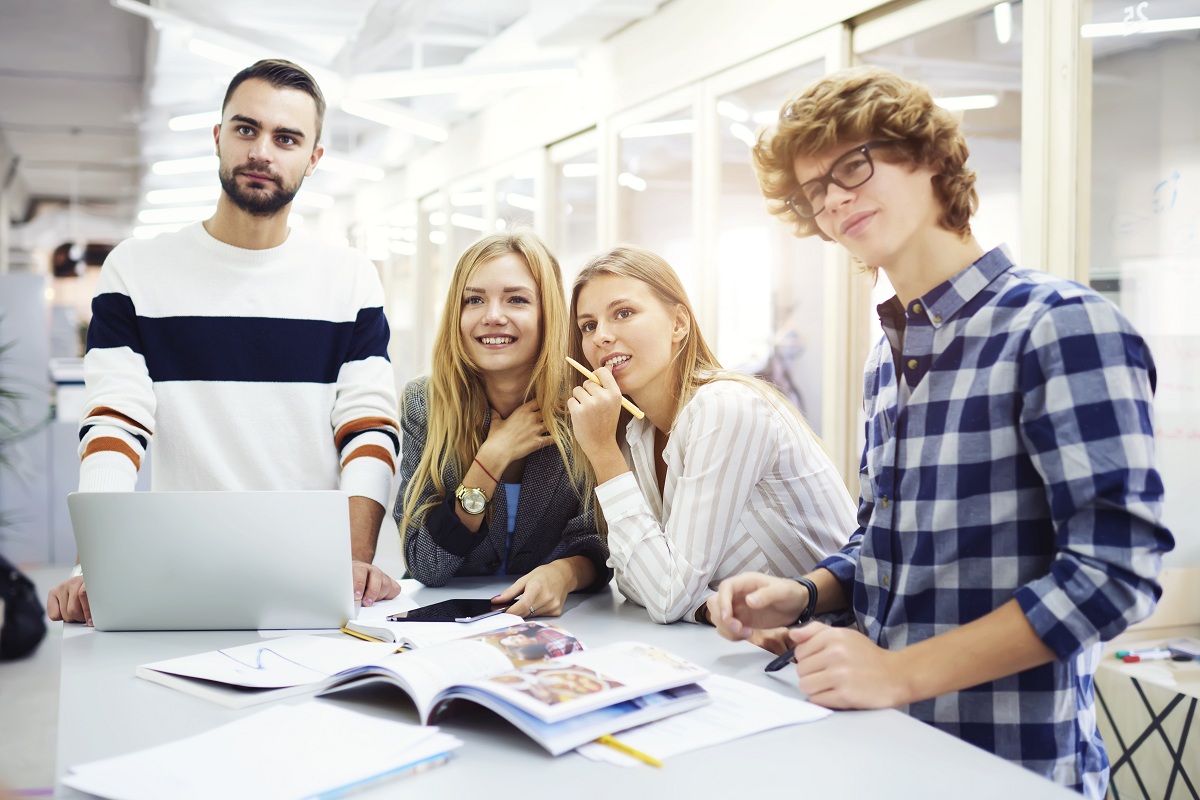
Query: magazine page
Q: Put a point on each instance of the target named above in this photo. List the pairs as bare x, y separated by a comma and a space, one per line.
561, 737
250, 673
572, 684
426, 672
424, 634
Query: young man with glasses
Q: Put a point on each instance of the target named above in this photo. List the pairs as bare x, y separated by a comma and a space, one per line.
1009, 508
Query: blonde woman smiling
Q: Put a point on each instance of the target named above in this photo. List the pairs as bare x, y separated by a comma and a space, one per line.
488, 484
722, 473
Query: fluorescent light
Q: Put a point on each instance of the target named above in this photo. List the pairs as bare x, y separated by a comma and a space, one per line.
968, 102
396, 117
1002, 16
461, 199
628, 179
437, 237
403, 234
194, 122
403, 248
182, 214
1096, 30
742, 134
469, 222
521, 201
155, 15
357, 169
582, 170
183, 166
673, 127
450, 80
191, 194
732, 111
150, 231
437, 218
765, 117
501, 224
220, 53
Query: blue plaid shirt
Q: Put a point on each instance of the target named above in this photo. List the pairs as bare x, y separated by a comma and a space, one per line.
1018, 461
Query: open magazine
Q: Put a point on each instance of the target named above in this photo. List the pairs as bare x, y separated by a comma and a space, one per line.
536, 676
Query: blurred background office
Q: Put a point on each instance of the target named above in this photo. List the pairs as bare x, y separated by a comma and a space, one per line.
595, 122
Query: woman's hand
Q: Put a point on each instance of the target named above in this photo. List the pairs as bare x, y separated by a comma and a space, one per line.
595, 411
542, 591
516, 437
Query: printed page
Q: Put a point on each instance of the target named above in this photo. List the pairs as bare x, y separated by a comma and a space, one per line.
303, 750
738, 709
425, 634
291, 661
583, 681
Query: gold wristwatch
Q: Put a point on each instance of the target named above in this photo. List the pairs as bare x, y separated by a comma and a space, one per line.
473, 500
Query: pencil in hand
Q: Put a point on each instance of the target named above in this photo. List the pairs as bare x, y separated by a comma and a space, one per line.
591, 376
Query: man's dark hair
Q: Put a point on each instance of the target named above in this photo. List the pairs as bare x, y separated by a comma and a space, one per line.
283, 75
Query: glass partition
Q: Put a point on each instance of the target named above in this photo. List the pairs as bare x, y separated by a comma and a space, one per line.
770, 285
575, 210
654, 195
1145, 215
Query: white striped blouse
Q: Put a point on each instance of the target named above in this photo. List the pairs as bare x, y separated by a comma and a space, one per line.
748, 487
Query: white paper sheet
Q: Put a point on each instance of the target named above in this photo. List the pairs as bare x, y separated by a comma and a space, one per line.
313, 748
738, 709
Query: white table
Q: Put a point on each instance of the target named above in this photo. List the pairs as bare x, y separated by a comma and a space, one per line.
105, 711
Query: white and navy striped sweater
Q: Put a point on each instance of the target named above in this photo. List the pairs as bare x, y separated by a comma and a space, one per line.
250, 370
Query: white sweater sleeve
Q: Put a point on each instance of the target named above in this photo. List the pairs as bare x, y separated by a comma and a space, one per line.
119, 405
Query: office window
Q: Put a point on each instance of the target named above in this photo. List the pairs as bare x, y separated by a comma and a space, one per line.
972, 64
1145, 238
515, 201
770, 285
654, 190
575, 210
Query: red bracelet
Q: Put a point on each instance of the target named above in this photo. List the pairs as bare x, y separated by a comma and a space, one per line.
485, 472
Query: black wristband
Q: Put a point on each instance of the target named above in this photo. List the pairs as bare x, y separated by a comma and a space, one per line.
807, 613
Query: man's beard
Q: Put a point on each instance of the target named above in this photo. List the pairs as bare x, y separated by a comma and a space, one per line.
257, 203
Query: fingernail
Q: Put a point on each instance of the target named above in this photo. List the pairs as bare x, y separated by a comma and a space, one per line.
496, 597
358, 595
367, 602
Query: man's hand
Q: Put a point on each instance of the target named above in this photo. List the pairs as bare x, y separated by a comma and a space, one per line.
752, 600
69, 602
841, 668
371, 584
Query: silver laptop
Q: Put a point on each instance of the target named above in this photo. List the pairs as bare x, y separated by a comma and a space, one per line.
155, 561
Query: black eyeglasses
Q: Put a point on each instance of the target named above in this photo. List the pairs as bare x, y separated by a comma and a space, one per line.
849, 171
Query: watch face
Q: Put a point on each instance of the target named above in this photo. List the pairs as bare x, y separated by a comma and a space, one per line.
473, 501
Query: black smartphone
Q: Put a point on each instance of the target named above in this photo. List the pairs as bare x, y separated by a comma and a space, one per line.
458, 610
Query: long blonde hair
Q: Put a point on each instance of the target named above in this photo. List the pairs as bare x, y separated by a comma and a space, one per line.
694, 363
456, 400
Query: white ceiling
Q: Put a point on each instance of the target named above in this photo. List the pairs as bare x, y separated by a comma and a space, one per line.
87, 86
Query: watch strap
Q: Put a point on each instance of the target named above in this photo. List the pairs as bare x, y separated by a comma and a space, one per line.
809, 609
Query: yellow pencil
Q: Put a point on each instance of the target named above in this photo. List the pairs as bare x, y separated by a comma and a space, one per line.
362, 636
587, 373
621, 747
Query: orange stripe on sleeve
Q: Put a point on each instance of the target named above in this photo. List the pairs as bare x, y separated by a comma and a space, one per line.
105, 411
373, 451
109, 444
356, 425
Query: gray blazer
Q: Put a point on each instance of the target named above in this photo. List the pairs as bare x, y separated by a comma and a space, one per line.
551, 521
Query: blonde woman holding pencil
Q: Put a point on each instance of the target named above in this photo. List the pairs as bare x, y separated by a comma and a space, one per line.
720, 477
488, 485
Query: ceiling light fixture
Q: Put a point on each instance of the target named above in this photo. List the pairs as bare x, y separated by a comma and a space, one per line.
1003, 19
450, 80
968, 102
396, 117
1097, 30
190, 194
183, 166
675, 127
194, 122
152, 216
631, 181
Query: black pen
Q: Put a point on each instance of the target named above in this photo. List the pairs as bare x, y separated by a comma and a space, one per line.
780, 662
